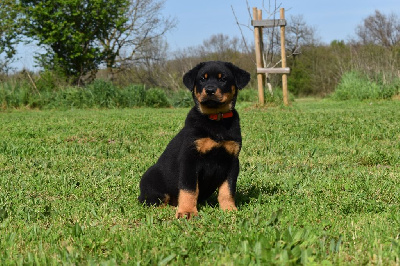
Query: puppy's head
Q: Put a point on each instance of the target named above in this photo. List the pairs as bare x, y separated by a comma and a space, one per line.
214, 85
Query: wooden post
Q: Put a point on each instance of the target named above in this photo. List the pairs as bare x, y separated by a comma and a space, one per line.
262, 70
257, 15
283, 54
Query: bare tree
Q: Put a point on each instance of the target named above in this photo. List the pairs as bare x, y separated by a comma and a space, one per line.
144, 24
221, 43
380, 29
270, 34
221, 47
299, 34
153, 58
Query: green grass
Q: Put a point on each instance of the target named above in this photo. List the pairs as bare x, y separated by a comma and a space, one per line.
319, 184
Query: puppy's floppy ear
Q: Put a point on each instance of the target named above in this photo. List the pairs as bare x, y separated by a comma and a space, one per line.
189, 79
242, 77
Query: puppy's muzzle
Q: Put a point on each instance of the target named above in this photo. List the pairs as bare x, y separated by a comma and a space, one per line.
210, 90
211, 96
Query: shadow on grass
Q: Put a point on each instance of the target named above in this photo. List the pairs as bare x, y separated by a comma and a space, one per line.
246, 195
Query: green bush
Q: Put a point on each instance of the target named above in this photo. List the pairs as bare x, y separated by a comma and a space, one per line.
251, 95
356, 86
132, 96
103, 94
71, 97
15, 94
248, 95
156, 98
181, 98
392, 89
99, 94
277, 96
51, 80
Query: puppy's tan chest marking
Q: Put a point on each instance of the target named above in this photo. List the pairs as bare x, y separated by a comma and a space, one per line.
204, 145
232, 147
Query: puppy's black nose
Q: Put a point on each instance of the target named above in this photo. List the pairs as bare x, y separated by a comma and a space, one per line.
210, 90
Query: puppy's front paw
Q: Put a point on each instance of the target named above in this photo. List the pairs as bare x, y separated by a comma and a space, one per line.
187, 204
230, 207
186, 213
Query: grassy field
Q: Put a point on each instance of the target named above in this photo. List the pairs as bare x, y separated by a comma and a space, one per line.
319, 184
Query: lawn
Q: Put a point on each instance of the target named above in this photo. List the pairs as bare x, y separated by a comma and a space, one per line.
319, 184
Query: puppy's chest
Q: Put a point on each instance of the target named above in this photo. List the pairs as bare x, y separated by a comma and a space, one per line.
206, 145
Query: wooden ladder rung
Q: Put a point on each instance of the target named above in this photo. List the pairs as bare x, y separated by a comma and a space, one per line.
268, 23
284, 70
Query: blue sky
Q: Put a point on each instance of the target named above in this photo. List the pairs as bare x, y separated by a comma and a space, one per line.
198, 20
333, 20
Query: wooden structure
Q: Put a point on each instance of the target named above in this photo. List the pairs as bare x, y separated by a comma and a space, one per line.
258, 23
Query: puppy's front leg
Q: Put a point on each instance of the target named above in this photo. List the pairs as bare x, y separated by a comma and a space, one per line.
188, 183
226, 191
226, 198
187, 203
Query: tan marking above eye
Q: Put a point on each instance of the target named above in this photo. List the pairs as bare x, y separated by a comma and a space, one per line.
206, 75
219, 75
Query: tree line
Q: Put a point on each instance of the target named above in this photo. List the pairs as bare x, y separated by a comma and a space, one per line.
316, 68
123, 41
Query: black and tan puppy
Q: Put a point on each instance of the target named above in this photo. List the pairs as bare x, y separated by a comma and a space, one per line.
203, 156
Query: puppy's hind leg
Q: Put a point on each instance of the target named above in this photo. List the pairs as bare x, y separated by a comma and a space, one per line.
151, 188
154, 199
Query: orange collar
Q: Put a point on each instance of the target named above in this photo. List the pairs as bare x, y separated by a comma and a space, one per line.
220, 116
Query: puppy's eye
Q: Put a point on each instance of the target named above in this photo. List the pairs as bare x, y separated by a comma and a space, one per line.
222, 79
